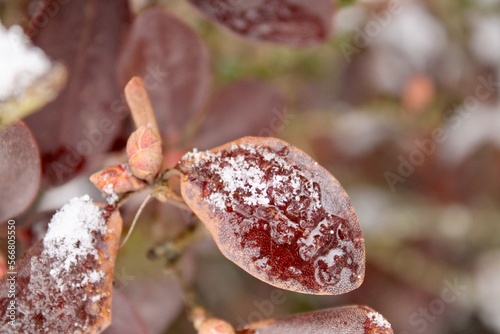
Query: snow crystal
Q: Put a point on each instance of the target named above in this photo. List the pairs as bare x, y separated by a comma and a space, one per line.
378, 320
22, 63
70, 238
244, 177
111, 196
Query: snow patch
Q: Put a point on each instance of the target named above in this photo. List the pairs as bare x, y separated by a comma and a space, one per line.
22, 63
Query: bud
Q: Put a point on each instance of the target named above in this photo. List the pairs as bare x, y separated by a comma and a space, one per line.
144, 153
116, 180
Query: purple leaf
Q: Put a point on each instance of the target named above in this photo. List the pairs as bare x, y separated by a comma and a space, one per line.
276, 213
174, 64
85, 118
245, 108
126, 319
20, 168
295, 22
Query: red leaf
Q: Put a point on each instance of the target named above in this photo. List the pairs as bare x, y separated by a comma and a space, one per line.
341, 320
245, 108
295, 22
64, 282
20, 169
174, 64
84, 119
277, 214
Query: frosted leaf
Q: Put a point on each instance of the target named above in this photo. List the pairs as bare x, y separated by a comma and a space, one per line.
22, 63
64, 282
340, 320
270, 207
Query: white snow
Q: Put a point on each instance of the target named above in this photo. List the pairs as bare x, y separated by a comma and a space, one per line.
21, 62
244, 177
70, 238
378, 320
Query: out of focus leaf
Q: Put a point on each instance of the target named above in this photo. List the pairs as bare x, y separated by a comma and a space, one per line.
245, 108
64, 282
174, 64
295, 22
341, 320
126, 319
277, 214
84, 119
36, 96
20, 169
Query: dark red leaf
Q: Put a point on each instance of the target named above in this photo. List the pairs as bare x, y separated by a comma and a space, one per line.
245, 108
64, 282
277, 214
20, 169
295, 22
83, 121
174, 64
126, 319
341, 320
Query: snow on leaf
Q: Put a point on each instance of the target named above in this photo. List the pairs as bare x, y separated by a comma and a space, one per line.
23, 64
64, 282
341, 320
277, 214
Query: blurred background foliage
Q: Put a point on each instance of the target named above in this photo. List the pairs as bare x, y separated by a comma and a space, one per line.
429, 209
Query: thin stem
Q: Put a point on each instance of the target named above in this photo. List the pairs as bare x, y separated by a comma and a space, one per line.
138, 213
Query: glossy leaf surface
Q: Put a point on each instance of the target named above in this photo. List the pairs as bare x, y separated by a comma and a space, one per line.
20, 168
277, 214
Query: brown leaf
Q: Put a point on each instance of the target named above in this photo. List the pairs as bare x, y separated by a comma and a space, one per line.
295, 22
277, 214
341, 320
20, 169
114, 181
85, 118
64, 282
245, 108
174, 64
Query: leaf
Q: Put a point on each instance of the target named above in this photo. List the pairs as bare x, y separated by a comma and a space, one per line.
277, 214
244, 108
85, 118
126, 320
174, 64
64, 282
20, 168
341, 320
295, 22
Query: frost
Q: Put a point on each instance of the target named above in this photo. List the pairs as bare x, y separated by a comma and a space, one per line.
378, 320
111, 196
244, 178
70, 238
22, 64
267, 199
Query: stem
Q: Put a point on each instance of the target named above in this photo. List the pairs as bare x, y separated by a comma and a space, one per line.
138, 213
